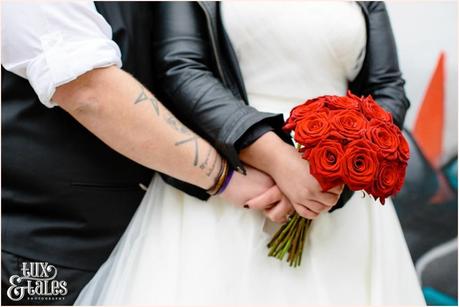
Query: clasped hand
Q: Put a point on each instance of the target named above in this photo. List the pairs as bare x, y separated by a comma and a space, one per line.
288, 187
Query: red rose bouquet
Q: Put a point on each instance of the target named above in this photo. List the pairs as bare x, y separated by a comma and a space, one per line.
347, 140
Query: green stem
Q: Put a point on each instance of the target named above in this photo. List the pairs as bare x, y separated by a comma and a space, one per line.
290, 238
284, 232
295, 247
284, 246
302, 239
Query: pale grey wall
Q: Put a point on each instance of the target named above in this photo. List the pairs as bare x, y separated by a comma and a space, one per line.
422, 30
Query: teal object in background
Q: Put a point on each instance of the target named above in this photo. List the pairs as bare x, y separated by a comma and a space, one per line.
451, 173
434, 297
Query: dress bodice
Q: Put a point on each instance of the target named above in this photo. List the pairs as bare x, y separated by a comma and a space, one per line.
291, 51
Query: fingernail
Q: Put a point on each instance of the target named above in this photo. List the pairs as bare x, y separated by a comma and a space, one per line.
246, 206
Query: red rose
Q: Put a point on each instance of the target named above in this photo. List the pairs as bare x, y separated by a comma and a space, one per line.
352, 96
342, 103
306, 152
325, 163
401, 176
385, 136
403, 148
348, 124
388, 180
360, 164
312, 129
373, 111
315, 104
299, 112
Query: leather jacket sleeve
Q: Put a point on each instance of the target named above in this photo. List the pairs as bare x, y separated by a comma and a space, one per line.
187, 83
380, 76
183, 59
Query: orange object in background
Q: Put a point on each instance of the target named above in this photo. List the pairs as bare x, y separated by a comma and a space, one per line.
428, 129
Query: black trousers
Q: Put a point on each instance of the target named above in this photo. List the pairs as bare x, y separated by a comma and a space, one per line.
67, 280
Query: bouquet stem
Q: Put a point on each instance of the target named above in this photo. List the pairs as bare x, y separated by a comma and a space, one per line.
290, 239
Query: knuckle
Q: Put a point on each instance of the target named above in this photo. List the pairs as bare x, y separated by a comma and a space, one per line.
307, 192
271, 216
287, 211
304, 213
284, 206
297, 207
289, 205
312, 206
276, 219
281, 220
312, 214
275, 195
301, 195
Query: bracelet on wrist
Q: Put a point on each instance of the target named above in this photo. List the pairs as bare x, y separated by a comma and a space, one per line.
227, 181
220, 179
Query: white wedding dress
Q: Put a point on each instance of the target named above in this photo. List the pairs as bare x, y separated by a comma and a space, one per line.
179, 250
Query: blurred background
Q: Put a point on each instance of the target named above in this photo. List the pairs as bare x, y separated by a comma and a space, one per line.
426, 36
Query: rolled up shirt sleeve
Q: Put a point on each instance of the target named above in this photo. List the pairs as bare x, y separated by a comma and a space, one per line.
52, 43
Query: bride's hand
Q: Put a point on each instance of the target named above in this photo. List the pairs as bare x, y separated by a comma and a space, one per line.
291, 174
293, 177
257, 191
280, 208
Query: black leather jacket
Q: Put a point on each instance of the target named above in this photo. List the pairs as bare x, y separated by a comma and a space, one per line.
199, 80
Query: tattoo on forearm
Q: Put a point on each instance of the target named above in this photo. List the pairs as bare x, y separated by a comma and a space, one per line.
175, 124
213, 165
172, 121
143, 96
194, 140
155, 104
204, 163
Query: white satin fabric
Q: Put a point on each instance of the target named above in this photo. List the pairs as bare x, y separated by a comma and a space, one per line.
179, 250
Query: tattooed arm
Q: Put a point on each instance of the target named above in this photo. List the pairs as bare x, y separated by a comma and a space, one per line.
127, 117
121, 112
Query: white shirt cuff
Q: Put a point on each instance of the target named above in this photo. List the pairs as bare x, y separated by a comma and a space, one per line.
62, 62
